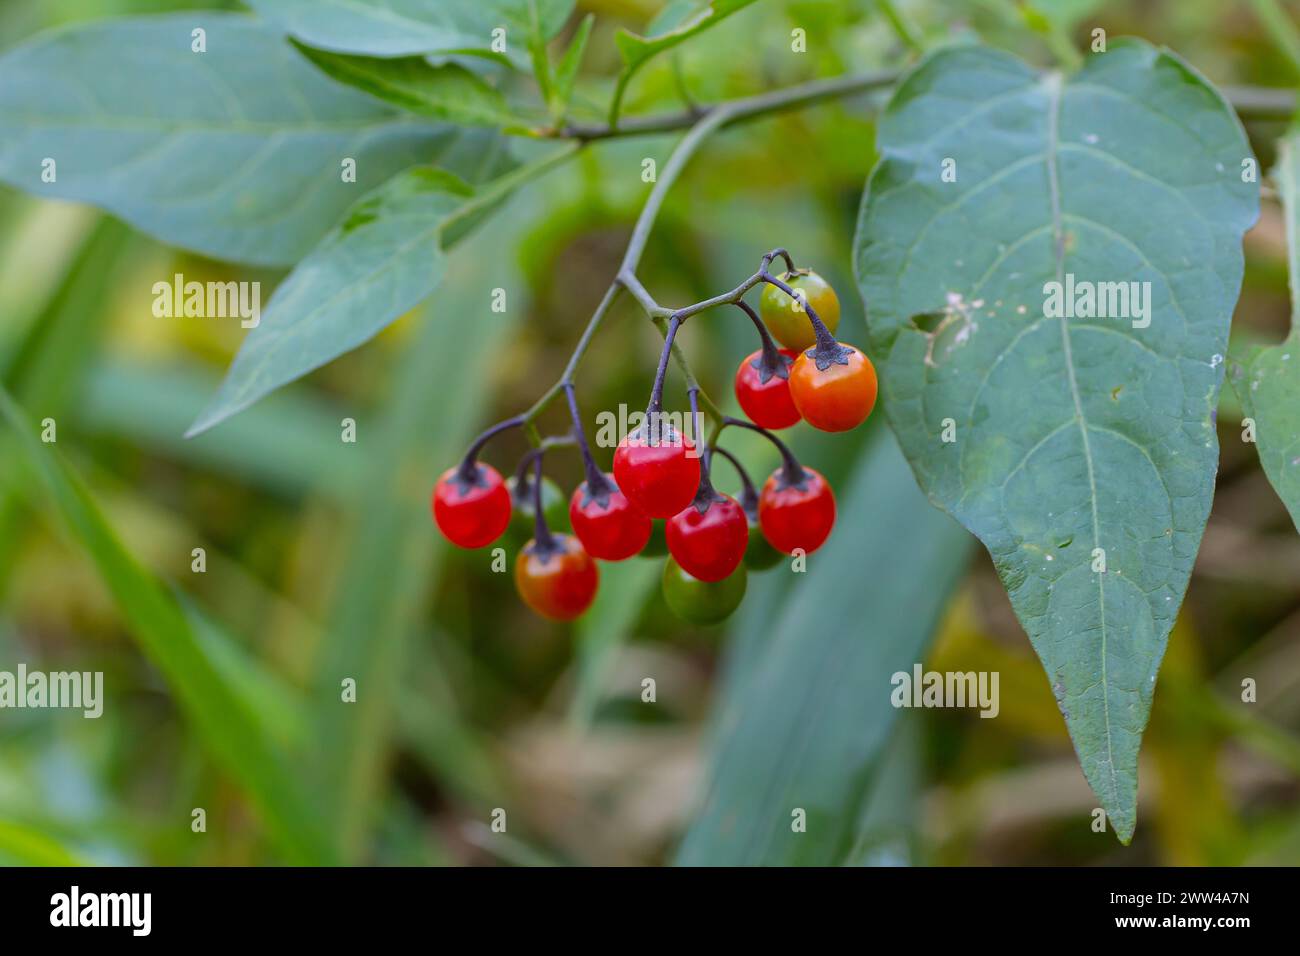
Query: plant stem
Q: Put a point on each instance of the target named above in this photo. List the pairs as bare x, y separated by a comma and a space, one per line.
597, 484
826, 343
771, 362
794, 473
772, 102
748, 494
543, 540
469, 464
503, 186
1253, 102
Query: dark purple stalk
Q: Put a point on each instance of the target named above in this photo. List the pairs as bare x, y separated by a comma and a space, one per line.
793, 471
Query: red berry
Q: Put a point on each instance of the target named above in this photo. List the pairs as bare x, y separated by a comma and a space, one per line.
558, 582
798, 515
471, 513
709, 544
766, 403
838, 397
608, 526
659, 479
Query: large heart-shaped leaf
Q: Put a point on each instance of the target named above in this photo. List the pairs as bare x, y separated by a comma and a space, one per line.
806, 711
236, 152
1082, 450
405, 27
382, 260
1267, 379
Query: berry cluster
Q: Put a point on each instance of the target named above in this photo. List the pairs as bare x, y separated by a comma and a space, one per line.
661, 494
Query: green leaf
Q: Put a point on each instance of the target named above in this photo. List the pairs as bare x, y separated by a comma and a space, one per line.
1072, 434
233, 733
450, 92
806, 713
235, 153
566, 73
537, 53
1267, 378
677, 23
383, 259
406, 27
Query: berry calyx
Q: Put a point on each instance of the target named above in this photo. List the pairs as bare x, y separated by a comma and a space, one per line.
833, 391
786, 316
658, 477
471, 505
708, 538
556, 578
607, 524
764, 391
796, 513
702, 602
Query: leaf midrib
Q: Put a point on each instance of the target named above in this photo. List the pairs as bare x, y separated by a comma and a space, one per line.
1053, 84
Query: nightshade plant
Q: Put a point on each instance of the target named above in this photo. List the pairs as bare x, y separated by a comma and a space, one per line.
354, 145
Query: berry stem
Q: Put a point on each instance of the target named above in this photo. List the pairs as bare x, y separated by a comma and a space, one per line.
523, 480
469, 464
826, 344
656, 405
748, 494
544, 542
794, 473
705, 494
775, 253
772, 361
598, 486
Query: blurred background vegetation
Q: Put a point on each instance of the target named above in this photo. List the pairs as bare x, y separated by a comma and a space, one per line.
323, 563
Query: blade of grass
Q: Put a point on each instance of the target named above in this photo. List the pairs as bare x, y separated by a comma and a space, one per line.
392, 550
233, 735
603, 630
805, 724
26, 846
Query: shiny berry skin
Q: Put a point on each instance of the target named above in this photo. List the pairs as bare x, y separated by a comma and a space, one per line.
837, 398
611, 531
786, 319
471, 514
658, 479
558, 583
709, 544
768, 404
702, 602
796, 515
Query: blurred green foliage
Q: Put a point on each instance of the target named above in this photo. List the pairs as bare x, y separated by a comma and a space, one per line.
322, 565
